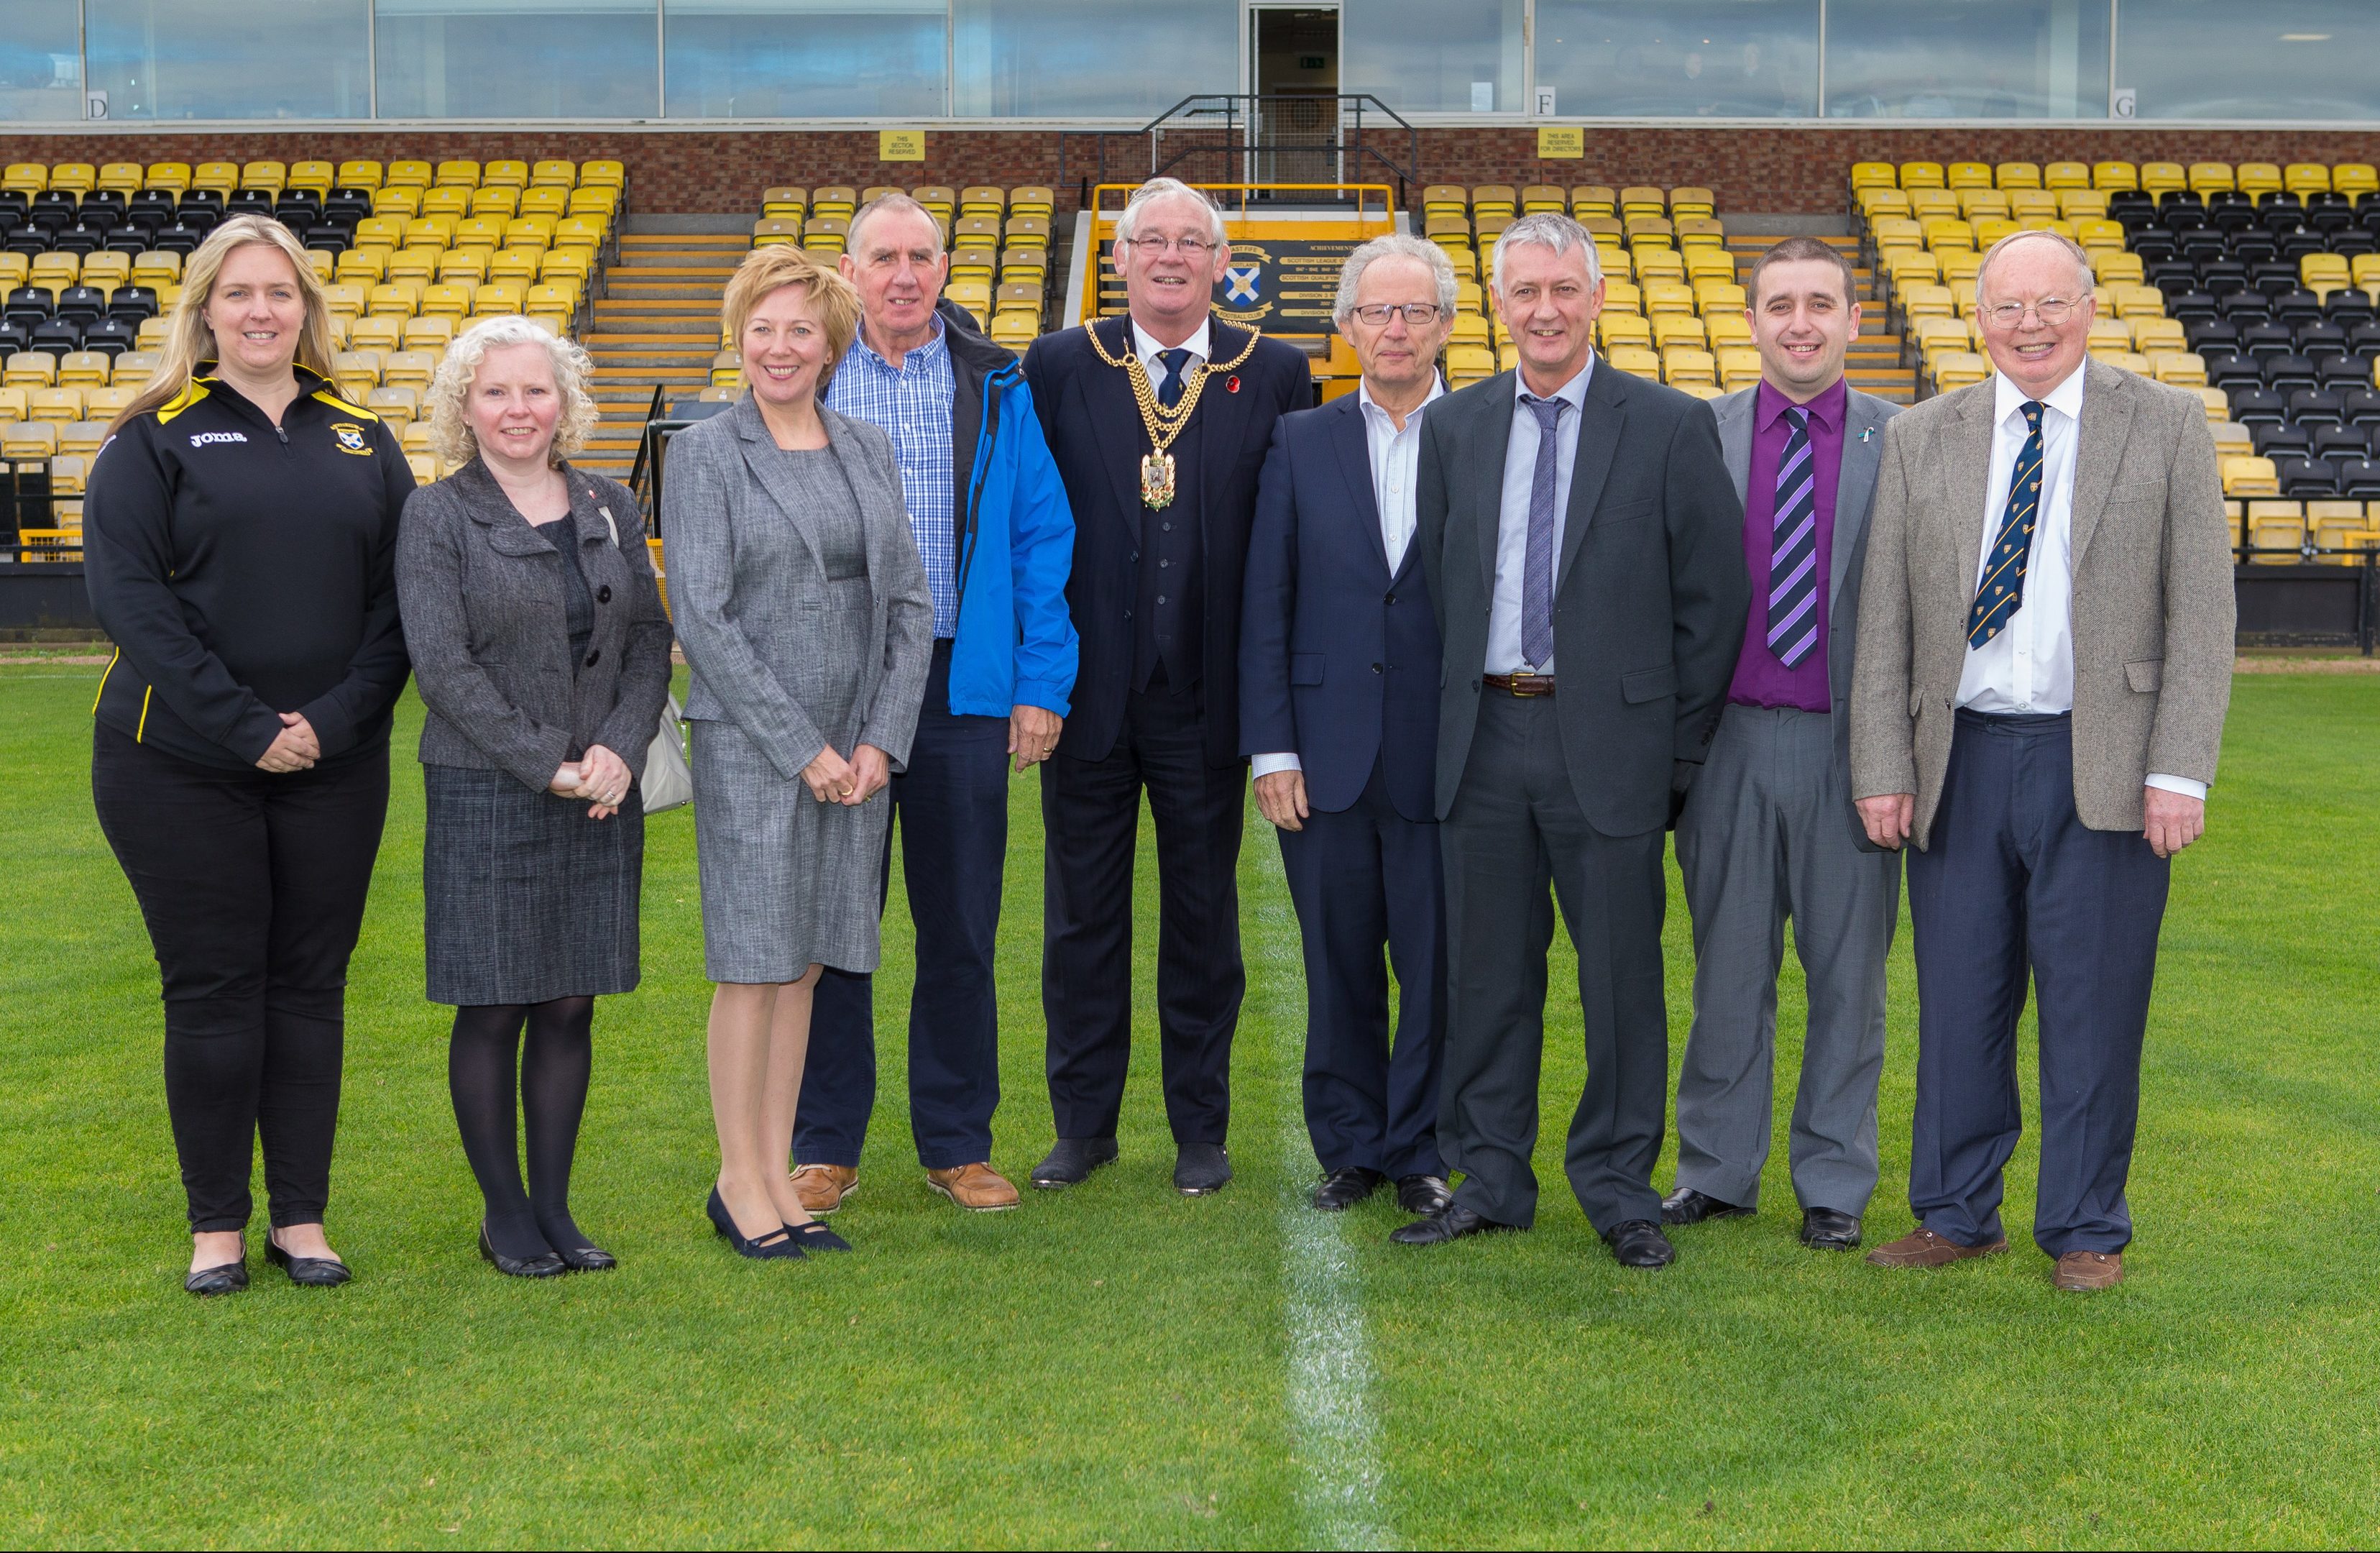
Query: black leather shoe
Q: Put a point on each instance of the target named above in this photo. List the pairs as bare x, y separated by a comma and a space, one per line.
1823, 1229
546, 1265
1639, 1243
1452, 1222
1201, 1169
586, 1258
1071, 1162
1423, 1193
224, 1278
1342, 1190
1686, 1206
309, 1272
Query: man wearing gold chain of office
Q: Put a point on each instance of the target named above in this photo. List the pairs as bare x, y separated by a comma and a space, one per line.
1159, 421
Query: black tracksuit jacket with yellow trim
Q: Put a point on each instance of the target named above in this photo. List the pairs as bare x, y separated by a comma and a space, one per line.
244, 570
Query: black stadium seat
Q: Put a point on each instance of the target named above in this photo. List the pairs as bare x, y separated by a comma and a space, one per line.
57, 335
2305, 476
2264, 341
132, 303
2227, 368
2252, 406
2360, 406
2341, 442
2283, 374
81, 304
2359, 477
27, 305
112, 335
2308, 407
2275, 440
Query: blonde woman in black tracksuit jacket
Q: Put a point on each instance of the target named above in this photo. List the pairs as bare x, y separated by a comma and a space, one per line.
239, 536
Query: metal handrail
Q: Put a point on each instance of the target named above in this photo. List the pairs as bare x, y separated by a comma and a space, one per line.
1238, 143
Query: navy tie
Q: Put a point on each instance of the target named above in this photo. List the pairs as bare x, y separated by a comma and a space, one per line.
2002, 593
1169, 392
1537, 566
1794, 547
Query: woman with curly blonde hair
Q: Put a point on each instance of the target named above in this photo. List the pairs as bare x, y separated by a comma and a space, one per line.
542, 655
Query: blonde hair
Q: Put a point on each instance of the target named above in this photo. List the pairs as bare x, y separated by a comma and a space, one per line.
765, 269
450, 391
189, 342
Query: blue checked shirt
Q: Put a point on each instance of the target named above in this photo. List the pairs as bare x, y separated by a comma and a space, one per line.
912, 402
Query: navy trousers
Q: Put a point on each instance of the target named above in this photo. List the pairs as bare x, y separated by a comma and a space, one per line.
2012, 884
1363, 880
951, 807
1090, 821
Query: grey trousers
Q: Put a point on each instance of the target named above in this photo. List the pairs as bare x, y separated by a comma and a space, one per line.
1766, 835
1515, 830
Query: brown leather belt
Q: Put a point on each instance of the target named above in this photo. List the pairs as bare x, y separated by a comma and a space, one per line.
1520, 684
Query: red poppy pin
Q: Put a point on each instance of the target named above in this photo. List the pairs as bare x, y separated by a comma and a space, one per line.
1231, 385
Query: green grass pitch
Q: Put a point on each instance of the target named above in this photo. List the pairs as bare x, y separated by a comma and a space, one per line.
1118, 1366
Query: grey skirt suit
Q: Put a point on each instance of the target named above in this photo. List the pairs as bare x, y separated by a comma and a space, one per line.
801, 606
524, 897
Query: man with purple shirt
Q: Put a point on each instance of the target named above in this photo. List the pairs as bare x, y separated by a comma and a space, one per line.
1769, 830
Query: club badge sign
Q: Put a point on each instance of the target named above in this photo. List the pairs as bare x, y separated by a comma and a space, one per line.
1283, 285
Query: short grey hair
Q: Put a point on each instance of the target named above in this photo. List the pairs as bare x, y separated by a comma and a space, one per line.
891, 203
1149, 193
1395, 245
1547, 229
450, 421
2074, 250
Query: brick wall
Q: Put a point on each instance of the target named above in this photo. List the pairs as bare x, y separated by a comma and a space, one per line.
1799, 170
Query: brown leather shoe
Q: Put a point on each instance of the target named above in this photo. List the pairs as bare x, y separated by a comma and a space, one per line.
977, 1188
1923, 1248
823, 1188
2083, 1271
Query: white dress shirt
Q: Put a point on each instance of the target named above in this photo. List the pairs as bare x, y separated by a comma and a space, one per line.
1200, 345
1512, 523
1396, 461
2029, 667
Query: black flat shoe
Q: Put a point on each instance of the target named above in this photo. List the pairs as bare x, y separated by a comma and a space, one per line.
815, 1237
1342, 1190
1686, 1206
1452, 1222
546, 1265
1824, 1229
1639, 1243
586, 1258
1071, 1162
224, 1278
776, 1245
1423, 1193
308, 1273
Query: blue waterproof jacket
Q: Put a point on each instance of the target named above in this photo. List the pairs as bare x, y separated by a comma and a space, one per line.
1015, 644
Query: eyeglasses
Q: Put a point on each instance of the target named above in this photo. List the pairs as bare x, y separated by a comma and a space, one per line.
2051, 310
1418, 315
1188, 248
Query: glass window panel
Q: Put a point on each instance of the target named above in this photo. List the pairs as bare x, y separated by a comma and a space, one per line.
519, 59
805, 58
1727, 59
1089, 58
2303, 59
230, 58
1967, 58
40, 61
1429, 56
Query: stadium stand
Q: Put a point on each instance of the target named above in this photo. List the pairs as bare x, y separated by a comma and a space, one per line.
2256, 286
411, 253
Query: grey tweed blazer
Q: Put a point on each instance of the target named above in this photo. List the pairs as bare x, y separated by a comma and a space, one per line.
740, 609
2152, 606
481, 597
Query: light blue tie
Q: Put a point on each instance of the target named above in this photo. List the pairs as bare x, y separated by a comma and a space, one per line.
1538, 570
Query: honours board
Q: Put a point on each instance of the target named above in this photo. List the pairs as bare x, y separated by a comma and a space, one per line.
1283, 286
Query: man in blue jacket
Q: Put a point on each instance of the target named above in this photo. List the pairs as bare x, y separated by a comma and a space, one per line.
1339, 663
997, 537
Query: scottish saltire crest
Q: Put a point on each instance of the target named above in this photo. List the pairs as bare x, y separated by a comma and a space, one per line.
351, 437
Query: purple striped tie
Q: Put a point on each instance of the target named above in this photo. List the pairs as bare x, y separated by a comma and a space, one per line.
1794, 547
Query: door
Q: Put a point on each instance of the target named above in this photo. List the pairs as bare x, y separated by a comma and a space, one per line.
1294, 70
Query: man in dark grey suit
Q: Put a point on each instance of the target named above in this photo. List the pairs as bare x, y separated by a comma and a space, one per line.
1578, 531
1771, 832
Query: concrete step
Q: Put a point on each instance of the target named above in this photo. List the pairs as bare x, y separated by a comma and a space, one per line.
624, 289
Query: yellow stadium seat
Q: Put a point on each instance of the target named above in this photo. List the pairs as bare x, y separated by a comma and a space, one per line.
29, 439
2066, 174
550, 204
1739, 366
2257, 179
2337, 527
398, 406
2207, 177
408, 369
1691, 201
553, 174
1960, 368
776, 232
2250, 476
446, 199
105, 404
602, 174
2354, 179
220, 177
1637, 361
1921, 175
26, 177
433, 334
318, 175
1874, 175
175, 175
62, 405
578, 232
1622, 297
1689, 365
84, 368
1672, 330
414, 263
1968, 175
502, 202
124, 178
498, 298
360, 173
1619, 330
273, 175
505, 175
356, 372
2306, 177
1718, 298
78, 177
447, 300
456, 173
2277, 530
31, 369
2118, 268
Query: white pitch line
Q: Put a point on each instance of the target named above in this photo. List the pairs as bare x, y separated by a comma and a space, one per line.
1337, 1439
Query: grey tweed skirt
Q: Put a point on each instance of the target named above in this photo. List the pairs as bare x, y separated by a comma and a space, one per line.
522, 897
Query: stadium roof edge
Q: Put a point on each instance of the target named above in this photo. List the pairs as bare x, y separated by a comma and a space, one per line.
17, 130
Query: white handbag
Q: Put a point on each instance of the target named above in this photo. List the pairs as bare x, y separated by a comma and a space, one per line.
668, 781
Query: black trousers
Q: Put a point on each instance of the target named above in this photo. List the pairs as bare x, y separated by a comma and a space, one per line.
252, 886
952, 808
1365, 880
1515, 828
1090, 817
2013, 883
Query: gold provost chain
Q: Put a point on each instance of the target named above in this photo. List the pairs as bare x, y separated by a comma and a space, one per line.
1163, 424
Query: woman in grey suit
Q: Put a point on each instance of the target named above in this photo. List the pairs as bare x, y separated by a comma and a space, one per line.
541, 652
802, 605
